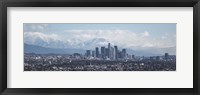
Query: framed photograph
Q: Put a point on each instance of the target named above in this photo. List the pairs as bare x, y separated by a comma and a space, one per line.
139, 47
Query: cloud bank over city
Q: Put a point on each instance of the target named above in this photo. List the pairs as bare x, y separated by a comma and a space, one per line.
87, 36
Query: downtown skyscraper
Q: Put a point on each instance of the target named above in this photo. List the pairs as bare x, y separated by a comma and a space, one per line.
109, 53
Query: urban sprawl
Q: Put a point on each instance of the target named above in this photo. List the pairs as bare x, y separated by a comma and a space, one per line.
108, 58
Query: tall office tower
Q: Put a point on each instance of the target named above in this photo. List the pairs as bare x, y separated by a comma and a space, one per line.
133, 56
109, 51
123, 53
97, 52
157, 57
119, 54
93, 53
106, 53
88, 53
112, 53
116, 52
166, 56
103, 52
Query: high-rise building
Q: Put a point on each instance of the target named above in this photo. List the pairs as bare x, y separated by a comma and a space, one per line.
93, 54
133, 56
166, 56
115, 52
109, 50
119, 54
103, 52
157, 57
151, 58
123, 53
97, 52
112, 53
88, 53
107, 53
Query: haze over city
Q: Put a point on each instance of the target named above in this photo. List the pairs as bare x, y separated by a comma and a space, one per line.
141, 39
99, 47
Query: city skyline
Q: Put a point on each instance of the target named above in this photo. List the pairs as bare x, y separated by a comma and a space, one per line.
110, 52
86, 36
99, 47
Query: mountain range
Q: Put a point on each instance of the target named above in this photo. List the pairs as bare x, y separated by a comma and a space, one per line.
44, 50
37, 43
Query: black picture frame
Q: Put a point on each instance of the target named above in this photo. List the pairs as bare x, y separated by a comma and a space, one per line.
99, 3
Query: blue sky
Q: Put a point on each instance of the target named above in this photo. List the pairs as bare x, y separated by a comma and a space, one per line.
127, 35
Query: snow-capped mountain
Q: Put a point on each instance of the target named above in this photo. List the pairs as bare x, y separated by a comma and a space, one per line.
38, 39
97, 42
49, 42
53, 42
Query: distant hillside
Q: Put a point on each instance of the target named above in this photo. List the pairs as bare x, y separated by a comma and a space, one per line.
141, 53
42, 50
153, 51
147, 52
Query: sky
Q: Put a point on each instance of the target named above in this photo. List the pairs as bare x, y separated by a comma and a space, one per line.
130, 35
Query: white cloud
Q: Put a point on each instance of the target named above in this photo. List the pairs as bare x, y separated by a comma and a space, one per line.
32, 37
145, 34
123, 38
163, 37
35, 27
174, 35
